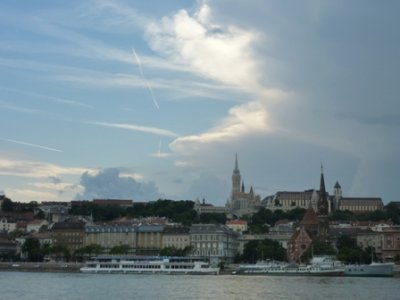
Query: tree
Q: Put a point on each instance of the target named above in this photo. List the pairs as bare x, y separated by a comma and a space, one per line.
349, 252
318, 247
266, 249
121, 249
7, 205
60, 251
89, 250
32, 248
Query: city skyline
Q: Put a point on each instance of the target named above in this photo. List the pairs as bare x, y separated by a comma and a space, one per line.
121, 99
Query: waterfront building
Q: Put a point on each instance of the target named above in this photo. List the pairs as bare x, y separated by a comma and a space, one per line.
214, 241
71, 234
149, 239
391, 244
241, 202
372, 239
385, 242
110, 235
177, 237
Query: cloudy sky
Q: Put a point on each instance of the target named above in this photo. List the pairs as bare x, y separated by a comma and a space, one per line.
149, 99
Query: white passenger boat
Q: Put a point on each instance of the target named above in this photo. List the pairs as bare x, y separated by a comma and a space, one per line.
149, 265
374, 269
320, 266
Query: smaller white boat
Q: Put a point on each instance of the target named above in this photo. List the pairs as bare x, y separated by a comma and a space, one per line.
373, 269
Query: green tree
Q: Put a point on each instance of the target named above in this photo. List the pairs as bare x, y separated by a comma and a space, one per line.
266, 249
7, 205
212, 218
318, 247
60, 251
121, 249
32, 248
348, 251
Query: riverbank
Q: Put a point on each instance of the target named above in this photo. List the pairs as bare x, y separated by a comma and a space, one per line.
40, 267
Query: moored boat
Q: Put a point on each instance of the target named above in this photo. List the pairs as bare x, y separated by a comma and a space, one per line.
374, 269
321, 266
149, 265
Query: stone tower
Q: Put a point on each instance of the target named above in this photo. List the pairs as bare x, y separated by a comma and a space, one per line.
323, 208
236, 179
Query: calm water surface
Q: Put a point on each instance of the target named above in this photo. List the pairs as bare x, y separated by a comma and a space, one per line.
67, 286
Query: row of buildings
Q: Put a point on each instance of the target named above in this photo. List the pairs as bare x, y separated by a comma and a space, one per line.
241, 203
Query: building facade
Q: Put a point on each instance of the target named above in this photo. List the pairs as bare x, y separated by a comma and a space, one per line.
69, 234
111, 235
314, 225
216, 242
149, 239
176, 237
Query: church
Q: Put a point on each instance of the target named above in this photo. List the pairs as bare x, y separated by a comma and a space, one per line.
241, 202
314, 225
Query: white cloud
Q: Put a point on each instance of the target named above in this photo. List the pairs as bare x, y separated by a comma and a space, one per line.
222, 53
53, 186
133, 127
36, 169
27, 195
242, 120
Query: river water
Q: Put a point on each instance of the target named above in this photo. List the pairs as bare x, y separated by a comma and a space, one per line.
68, 286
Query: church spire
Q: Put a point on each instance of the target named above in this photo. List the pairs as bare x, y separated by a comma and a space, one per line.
236, 178
322, 181
236, 164
323, 204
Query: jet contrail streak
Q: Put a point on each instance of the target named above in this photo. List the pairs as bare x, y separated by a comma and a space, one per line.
152, 95
31, 145
144, 78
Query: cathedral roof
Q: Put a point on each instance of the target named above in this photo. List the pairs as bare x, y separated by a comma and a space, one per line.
337, 185
310, 217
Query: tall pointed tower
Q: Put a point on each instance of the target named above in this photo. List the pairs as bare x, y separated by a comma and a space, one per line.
323, 204
236, 179
323, 209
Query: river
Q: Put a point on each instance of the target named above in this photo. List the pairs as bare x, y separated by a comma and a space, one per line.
68, 286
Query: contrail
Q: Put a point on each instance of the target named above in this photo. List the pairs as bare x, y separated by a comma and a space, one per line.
159, 148
144, 78
31, 145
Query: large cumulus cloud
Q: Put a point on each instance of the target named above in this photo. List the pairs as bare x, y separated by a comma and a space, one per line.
109, 183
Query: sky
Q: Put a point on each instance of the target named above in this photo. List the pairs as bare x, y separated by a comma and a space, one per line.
152, 99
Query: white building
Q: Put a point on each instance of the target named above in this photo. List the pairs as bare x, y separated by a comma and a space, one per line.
216, 242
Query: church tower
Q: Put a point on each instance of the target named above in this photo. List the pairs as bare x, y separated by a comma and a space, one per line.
323, 209
337, 192
236, 179
323, 204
